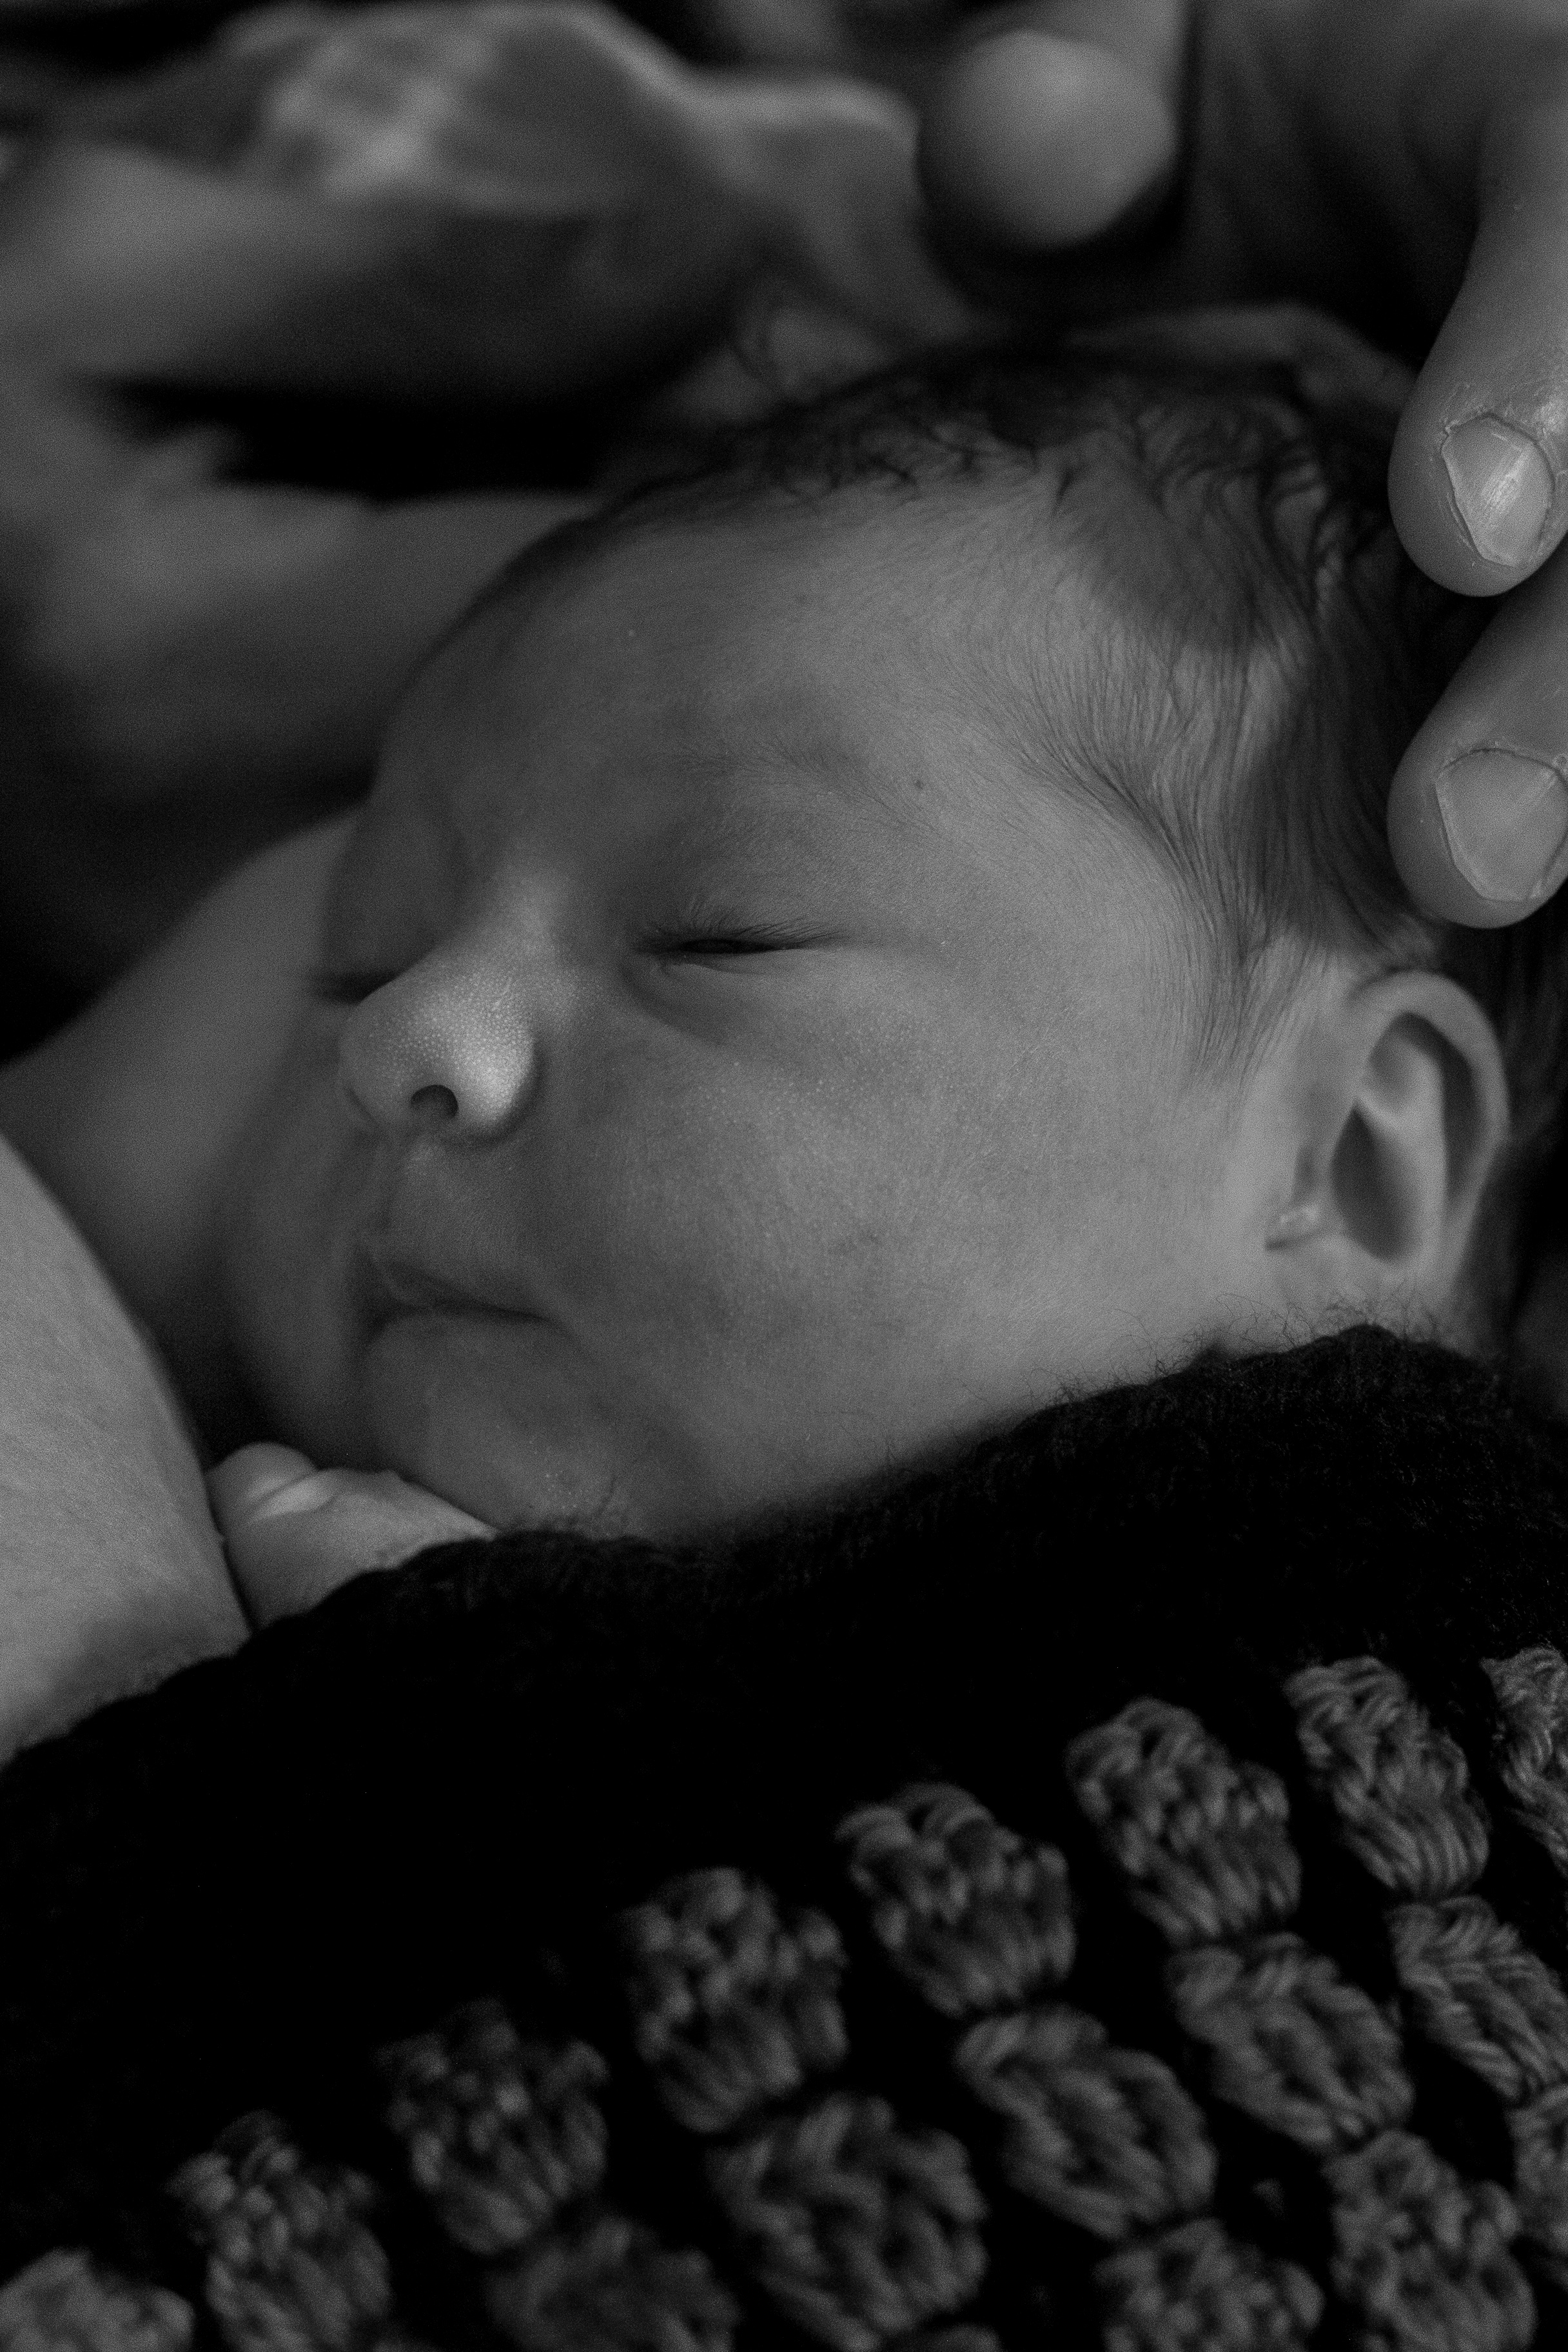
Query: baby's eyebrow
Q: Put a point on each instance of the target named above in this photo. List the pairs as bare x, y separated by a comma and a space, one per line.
761, 835
751, 786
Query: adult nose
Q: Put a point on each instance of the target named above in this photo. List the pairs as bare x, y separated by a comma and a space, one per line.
446, 1048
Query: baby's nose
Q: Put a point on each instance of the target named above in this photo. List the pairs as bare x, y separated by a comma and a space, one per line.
439, 1049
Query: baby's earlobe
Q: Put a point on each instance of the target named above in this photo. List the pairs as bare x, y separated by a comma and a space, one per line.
1299, 1222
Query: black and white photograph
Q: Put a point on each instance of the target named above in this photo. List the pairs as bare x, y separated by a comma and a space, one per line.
783, 1176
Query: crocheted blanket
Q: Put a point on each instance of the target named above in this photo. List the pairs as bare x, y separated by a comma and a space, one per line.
1110, 1891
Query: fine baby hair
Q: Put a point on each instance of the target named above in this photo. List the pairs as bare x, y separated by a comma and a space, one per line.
1263, 651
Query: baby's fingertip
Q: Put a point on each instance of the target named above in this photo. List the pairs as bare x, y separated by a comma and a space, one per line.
259, 1481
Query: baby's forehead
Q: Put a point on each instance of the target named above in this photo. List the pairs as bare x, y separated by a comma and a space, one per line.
745, 707
826, 637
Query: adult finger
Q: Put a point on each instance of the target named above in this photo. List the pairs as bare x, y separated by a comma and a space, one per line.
1052, 123
1477, 818
294, 1533
1479, 471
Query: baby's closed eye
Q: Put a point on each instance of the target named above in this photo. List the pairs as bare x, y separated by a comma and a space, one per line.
721, 939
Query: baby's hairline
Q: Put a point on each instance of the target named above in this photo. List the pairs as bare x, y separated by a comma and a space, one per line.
1292, 531
683, 507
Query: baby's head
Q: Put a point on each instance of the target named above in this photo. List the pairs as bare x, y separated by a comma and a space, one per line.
848, 949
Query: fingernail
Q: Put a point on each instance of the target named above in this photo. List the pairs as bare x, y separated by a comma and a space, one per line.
1506, 818
1502, 487
264, 1481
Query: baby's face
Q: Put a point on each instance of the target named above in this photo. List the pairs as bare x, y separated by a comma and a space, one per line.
729, 1075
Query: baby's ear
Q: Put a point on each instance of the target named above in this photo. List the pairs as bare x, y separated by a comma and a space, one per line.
1401, 1121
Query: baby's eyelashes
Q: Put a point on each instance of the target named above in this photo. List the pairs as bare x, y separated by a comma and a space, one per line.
730, 939
348, 985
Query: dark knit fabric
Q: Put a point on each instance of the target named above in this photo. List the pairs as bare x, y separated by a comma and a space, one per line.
1112, 1891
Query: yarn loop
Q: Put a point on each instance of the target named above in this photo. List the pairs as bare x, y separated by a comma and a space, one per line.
1399, 1786
610, 2286
859, 2228
498, 2133
1201, 1839
1422, 2256
1194, 2287
290, 2265
975, 1920
733, 2006
1289, 2042
67, 2302
1104, 2138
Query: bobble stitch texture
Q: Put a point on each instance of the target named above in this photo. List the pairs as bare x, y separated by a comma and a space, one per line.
1201, 1838
1107, 2139
975, 1920
1290, 2042
1423, 2256
290, 2265
1531, 1692
1483, 1995
1195, 2287
1399, 1786
66, 2303
858, 2227
499, 2133
1540, 2133
610, 2286
732, 2008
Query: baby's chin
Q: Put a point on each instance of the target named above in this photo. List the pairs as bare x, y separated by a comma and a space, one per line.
482, 1411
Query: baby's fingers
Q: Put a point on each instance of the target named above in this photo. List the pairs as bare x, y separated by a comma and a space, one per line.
1479, 814
1056, 121
294, 1533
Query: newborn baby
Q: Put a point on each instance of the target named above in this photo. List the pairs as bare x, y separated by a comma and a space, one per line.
843, 950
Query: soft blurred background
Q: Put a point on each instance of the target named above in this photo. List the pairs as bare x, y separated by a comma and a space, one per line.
308, 316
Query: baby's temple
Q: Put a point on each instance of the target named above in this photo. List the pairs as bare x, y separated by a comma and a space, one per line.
783, 1104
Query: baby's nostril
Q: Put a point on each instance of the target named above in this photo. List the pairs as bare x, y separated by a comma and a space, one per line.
433, 1106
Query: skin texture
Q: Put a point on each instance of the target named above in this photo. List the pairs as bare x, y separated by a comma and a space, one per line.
1430, 116
708, 1222
1403, 163
110, 1572
723, 1062
292, 1533
1406, 164
706, 1108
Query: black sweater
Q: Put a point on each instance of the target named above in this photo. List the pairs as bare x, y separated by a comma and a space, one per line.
1113, 1889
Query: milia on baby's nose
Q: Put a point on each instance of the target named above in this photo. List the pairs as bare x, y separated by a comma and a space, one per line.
438, 1050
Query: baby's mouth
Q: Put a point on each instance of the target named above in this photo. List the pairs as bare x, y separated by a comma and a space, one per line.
388, 1287
387, 1284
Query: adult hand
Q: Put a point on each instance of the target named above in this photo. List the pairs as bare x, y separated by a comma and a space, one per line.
480, 201
1406, 164
470, 203
294, 1533
190, 665
110, 1574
